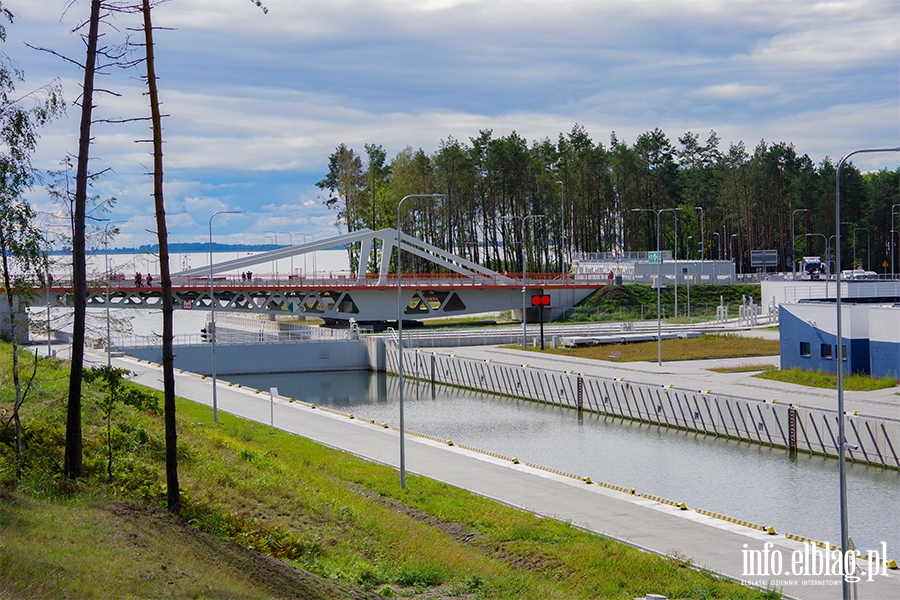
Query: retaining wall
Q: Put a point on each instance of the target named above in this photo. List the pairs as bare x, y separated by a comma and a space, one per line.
264, 357
813, 430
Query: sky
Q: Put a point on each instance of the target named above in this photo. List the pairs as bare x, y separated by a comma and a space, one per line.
257, 102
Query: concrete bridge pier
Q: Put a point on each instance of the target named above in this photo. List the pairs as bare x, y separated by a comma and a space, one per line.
6, 321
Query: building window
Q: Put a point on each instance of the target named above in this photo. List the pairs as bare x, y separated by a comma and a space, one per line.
843, 352
804, 349
826, 351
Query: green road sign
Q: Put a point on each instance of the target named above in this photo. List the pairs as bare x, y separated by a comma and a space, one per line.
654, 257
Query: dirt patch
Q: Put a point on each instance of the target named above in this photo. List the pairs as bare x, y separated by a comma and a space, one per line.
531, 561
138, 522
461, 533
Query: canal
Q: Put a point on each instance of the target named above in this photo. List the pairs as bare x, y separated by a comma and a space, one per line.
768, 486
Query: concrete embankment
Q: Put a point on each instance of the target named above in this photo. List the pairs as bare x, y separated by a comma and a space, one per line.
657, 525
785, 422
674, 395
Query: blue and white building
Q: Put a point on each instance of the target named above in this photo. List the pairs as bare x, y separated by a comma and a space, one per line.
870, 335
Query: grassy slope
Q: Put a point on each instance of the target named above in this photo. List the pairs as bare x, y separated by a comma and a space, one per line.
343, 520
615, 302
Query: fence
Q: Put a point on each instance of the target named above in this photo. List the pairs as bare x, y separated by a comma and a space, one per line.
871, 439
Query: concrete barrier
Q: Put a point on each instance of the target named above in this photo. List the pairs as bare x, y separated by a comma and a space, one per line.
767, 422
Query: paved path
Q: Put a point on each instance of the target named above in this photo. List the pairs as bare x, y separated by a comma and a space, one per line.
710, 543
695, 374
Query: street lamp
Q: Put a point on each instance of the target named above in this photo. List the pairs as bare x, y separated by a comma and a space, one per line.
702, 247
845, 530
274, 262
524, 281
738, 260
659, 259
718, 244
313, 237
868, 240
400, 326
106, 253
892, 232
291, 237
212, 320
830, 245
892, 239
675, 256
562, 220
793, 244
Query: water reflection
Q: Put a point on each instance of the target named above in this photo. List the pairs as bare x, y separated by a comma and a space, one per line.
768, 486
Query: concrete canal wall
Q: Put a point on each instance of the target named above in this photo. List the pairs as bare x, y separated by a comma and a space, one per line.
264, 357
872, 440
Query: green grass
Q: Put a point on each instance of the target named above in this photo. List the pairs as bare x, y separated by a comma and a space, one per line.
634, 302
744, 368
852, 383
704, 347
341, 519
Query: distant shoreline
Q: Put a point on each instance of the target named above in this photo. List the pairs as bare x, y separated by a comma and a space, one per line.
183, 248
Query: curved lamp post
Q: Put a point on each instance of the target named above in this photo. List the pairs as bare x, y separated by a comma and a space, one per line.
738, 259
658, 212
400, 327
892, 238
824, 237
793, 244
524, 282
291, 238
106, 253
845, 531
702, 247
274, 262
893, 231
212, 307
868, 240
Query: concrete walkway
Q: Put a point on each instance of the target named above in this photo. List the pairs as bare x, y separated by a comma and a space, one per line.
710, 543
695, 374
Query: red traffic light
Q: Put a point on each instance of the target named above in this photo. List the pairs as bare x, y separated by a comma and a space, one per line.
540, 300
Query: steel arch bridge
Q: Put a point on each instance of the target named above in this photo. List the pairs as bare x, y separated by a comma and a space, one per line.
467, 288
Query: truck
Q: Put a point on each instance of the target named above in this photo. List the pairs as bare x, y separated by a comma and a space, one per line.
812, 267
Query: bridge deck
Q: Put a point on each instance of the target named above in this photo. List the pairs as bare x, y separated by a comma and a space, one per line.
340, 297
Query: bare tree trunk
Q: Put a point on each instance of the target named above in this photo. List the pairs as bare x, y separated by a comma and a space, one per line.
172, 492
73, 455
13, 322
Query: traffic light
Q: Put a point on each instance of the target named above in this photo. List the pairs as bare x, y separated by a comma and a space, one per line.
540, 300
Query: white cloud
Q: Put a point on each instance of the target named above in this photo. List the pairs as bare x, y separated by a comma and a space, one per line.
734, 91
208, 205
258, 102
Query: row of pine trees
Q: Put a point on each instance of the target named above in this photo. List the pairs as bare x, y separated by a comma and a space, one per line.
581, 196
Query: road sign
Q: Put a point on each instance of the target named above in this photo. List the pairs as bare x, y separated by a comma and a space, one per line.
654, 257
764, 258
187, 304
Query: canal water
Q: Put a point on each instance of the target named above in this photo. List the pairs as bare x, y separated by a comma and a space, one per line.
795, 494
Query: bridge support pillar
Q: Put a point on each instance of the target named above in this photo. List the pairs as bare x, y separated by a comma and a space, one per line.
6, 322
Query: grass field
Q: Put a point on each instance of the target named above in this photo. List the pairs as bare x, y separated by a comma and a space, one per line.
725, 346
272, 515
703, 347
852, 383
